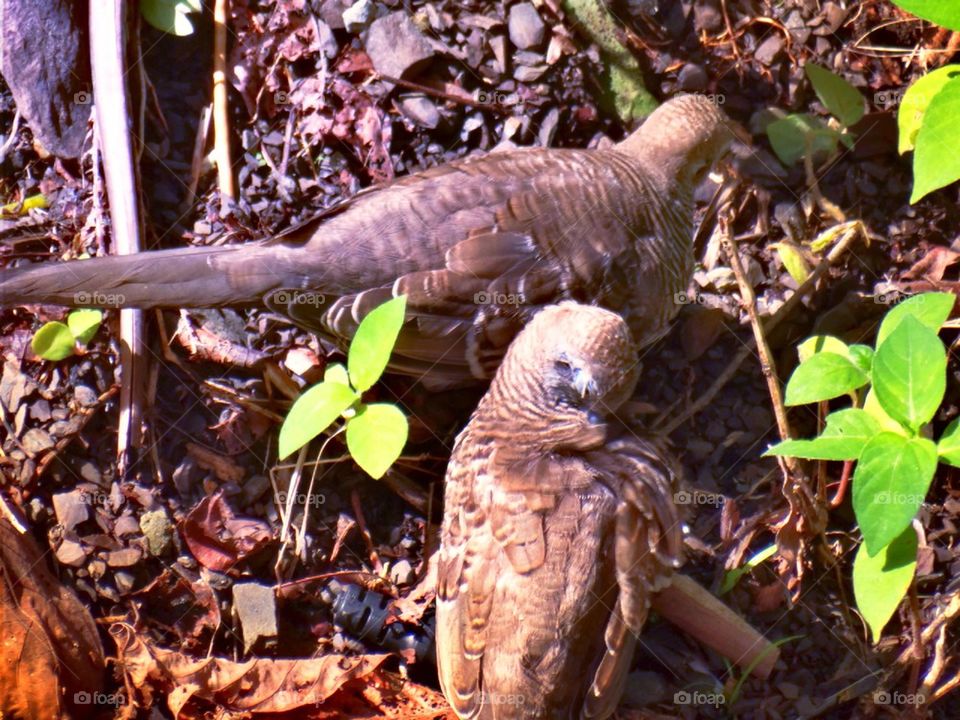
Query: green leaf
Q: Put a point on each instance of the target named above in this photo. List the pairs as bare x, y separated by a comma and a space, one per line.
732, 577
170, 16
890, 483
373, 343
931, 309
844, 437
880, 581
789, 137
336, 373
949, 446
910, 373
821, 343
793, 260
376, 436
872, 407
914, 104
837, 95
53, 341
936, 161
84, 324
312, 413
825, 375
942, 13
862, 357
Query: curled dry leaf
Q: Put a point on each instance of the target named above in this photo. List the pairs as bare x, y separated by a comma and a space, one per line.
51, 654
218, 538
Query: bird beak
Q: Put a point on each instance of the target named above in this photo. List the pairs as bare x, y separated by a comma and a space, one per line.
584, 383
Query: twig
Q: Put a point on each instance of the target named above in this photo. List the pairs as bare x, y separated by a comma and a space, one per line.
362, 524
221, 114
12, 137
855, 228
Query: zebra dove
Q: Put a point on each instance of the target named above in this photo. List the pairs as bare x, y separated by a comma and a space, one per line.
478, 246
556, 531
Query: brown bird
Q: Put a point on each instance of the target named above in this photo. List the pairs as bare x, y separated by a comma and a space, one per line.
556, 531
478, 246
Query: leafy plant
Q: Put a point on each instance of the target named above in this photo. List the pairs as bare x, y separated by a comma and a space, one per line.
800, 135
376, 432
929, 111
170, 16
56, 340
894, 390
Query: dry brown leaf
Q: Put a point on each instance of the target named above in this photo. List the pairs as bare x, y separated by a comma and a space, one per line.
219, 539
259, 685
51, 659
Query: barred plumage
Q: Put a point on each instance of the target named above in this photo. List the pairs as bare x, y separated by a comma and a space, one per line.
479, 246
558, 525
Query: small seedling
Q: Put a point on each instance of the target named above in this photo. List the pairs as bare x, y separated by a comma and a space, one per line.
376, 432
800, 135
894, 392
57, 340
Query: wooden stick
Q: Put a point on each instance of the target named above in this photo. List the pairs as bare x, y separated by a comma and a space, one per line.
704, 617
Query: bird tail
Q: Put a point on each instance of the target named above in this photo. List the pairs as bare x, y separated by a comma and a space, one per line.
183, 277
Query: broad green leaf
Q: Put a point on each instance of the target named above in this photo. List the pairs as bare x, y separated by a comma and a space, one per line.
336, 373
732, 577
371, 347
793, 260
946, 14
825, 375
890, 483
844, 437
949, 446
931, 309
880, 581
170, 16
84, 324
376, 436
872, 407
837, 95
53, 341
791, 135
936, 161
312, 413
821, 343
910, 373
915, 101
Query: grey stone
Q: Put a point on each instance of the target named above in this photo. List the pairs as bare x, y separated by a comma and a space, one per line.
396, 46
526, 28
421, 110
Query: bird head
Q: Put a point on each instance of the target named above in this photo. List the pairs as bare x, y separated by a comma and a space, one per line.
684, 137
566, 373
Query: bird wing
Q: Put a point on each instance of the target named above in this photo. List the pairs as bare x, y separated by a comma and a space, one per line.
648, 545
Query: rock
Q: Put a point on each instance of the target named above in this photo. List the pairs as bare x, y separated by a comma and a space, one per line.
328, 43
402, 573
769, 49
421, 110
257, 610
707, 16
525, 26
85, 396
356, 17
692, 78
331, 12
158, 530
396, 46
36, 440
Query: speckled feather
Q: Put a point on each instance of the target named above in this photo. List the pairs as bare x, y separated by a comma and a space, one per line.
479, 245
557, 528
